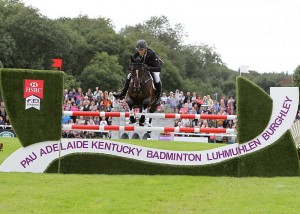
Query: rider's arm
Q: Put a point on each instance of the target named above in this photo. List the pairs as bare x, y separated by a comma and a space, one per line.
154, 64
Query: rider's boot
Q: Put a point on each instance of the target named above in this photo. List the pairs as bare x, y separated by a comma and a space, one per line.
158, 87
121, 95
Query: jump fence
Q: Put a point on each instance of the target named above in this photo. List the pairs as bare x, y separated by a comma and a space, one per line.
145, 128
151, 115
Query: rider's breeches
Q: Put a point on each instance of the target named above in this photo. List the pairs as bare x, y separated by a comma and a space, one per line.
156, 77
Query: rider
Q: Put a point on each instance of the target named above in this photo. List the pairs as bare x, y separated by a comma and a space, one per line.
152, 62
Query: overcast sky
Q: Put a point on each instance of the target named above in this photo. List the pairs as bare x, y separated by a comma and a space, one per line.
262, 34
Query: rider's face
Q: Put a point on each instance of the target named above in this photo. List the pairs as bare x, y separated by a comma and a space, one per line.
142, 51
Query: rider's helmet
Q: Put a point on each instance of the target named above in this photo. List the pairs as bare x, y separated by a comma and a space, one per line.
141, 44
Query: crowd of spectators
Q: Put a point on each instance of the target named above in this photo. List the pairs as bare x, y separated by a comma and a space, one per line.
178, 102
173, 102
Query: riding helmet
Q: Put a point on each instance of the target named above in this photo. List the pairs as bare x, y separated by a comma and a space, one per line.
141, 44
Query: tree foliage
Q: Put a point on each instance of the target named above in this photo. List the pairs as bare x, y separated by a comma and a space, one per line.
296, 77
94, 54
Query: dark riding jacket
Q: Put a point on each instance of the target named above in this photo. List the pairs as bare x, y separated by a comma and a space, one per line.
150, 59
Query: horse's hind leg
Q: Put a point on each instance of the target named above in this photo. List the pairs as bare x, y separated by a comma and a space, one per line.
152, 109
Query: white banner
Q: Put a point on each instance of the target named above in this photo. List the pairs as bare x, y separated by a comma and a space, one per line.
32, 102
37, 157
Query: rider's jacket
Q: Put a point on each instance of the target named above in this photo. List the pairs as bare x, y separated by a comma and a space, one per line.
150, 59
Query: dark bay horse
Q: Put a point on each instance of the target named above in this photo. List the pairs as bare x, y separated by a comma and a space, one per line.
141, 91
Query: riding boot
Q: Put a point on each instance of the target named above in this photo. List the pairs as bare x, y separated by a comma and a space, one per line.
121, 95
158, 87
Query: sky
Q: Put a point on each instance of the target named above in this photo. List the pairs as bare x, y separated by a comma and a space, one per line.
263, 35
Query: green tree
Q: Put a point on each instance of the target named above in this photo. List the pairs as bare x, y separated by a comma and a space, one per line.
296, 77
103, 71
70, 81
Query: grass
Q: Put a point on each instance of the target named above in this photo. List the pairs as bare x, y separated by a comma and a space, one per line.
58, 193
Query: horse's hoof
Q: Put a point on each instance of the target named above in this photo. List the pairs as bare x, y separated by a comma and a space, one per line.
132, 119
141, 124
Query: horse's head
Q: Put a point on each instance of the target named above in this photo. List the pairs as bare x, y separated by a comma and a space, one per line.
138, 74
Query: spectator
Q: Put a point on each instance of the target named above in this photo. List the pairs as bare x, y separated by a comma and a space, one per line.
164, 98
74, 108
96, 92
221, 123
111, 97
189, 105
225, 100
103, 122
215, 107
66, 119
2, 110
86, 104
97, 120
89, 94
205, 101
66, 95
183, 109
107, 102
80, 120
79, 97
173, 101
209, 102
187, 97
194, 97
230, 105
222, 104
1, 123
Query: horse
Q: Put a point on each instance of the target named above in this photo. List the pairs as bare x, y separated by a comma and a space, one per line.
141, 91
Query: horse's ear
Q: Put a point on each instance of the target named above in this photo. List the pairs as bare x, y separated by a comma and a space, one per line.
131, 58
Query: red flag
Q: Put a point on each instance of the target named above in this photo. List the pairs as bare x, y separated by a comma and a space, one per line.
57, 63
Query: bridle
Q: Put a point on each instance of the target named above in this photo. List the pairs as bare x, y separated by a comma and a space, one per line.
138, 80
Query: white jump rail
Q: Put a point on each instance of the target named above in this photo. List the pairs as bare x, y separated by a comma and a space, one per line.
151, 115
144, 128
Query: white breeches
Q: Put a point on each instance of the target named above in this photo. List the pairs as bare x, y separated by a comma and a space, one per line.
156, 77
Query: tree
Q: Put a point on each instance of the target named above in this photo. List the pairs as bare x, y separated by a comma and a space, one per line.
296, 77
104, 72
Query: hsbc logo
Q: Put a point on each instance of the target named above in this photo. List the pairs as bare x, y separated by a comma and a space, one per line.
34, 84
34, 87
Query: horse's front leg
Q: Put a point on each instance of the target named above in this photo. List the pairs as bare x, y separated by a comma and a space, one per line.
146, 103
131, 111
143, 118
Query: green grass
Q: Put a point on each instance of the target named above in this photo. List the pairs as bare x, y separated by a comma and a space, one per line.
9, 146
59, 193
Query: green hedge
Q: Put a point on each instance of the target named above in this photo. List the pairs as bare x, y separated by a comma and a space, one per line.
278, 159
82, 163
254, 110
32, 125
